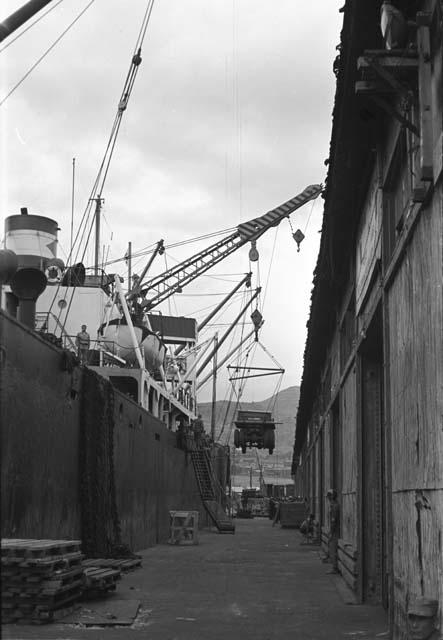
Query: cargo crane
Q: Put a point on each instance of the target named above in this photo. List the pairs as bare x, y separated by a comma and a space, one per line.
144, 296
159, 288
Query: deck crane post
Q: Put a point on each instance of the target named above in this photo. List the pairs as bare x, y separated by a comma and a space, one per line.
171, 281
159, 250
196, 363
226, 358
228, 331
214, 387
244, 281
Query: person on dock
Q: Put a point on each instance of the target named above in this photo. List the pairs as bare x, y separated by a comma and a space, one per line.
83, 341
307, 528
199, 430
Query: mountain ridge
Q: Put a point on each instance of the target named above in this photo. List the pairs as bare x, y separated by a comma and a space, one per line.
283, 406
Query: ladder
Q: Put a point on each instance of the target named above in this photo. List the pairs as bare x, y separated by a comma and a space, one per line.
204, 477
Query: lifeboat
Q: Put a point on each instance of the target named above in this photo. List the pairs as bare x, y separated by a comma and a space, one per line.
116, 336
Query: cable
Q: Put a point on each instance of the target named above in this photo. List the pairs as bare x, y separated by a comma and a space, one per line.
148, 250
30, 26
99, 182
46, 52
270, 267
309, 217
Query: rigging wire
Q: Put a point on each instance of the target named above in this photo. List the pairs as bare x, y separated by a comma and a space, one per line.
309, 217
104, 166
270, 267
31, 25
31, 69
148, 250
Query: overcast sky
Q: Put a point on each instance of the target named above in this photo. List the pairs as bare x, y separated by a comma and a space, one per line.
230, 116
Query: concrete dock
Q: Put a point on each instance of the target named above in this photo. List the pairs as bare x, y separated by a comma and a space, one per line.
258, 584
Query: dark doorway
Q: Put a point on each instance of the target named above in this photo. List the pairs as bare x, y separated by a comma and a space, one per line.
336, 450
372, 485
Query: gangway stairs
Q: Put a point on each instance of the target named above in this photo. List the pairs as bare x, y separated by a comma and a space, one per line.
204, 476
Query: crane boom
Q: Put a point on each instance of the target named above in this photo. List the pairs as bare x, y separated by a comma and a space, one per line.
174, 279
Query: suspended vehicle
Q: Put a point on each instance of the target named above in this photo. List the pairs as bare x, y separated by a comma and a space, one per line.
254, 429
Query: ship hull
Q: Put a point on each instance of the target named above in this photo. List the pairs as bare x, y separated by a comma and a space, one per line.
54, 444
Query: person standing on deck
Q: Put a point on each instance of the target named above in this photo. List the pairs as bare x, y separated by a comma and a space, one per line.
334, 529
199, 430
83, 341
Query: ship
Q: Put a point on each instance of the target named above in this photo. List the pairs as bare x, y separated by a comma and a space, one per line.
97, 443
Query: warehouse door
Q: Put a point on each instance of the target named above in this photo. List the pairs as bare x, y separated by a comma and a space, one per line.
373, 538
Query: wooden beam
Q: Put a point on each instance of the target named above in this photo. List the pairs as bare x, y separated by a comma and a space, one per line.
369, 87
386, 106
424, 95
389, 62
386, 74
438, 158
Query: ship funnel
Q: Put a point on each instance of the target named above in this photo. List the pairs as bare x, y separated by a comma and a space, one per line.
27, 284
33, 238
31, 249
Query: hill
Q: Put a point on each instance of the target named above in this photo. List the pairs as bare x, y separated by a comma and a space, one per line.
284, 409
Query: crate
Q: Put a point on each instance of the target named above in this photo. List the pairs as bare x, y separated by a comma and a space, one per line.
183, 527
292, 514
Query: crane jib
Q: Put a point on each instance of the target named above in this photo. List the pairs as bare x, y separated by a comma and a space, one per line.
253, 229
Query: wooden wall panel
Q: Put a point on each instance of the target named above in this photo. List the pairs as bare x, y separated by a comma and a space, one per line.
318, 477
415, 304
348, 417
327, 470
418, 554
416, 357
368, 249
335, 362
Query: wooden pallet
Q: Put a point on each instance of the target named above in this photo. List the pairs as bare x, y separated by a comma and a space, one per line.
97, 581
49, 563
38, 548
46, 596
123, 564
30, 582
36, 615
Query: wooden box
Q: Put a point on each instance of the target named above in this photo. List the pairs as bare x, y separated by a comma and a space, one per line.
183, 527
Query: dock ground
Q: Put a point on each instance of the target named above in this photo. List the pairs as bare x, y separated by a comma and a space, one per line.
258, 584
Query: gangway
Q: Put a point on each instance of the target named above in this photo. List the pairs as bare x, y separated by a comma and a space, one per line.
204, 475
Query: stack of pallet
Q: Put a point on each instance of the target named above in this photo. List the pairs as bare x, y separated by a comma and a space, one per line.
42, 580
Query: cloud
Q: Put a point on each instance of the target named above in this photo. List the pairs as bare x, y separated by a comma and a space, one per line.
229, 117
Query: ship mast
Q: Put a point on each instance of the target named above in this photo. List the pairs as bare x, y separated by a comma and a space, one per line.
98, 207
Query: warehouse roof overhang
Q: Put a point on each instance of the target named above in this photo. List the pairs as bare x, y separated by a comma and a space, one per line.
350, 161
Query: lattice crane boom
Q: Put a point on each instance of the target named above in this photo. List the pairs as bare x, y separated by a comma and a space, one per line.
174, 279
